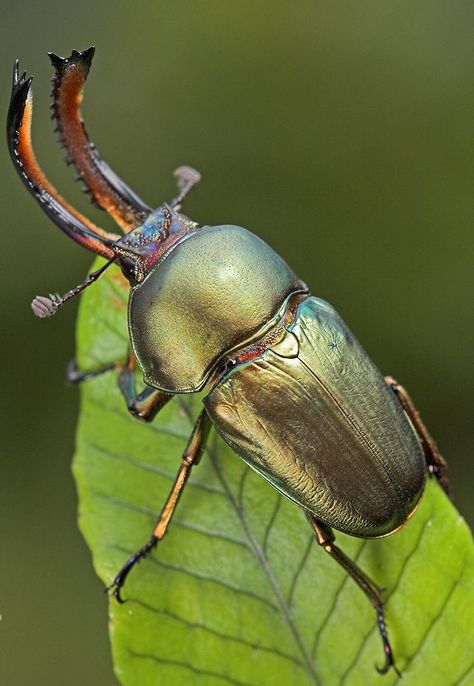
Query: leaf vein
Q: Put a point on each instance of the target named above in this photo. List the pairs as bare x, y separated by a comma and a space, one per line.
106, 324
203, 577
155, 469
242, 480
176, 522
155, 428
262, 559
216, 632
298, 571
433, 621
187, 665
271, 522
464, 675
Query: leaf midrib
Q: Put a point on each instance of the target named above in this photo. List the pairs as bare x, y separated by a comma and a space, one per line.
265, 566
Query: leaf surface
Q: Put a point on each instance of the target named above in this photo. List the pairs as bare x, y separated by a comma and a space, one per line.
238, 592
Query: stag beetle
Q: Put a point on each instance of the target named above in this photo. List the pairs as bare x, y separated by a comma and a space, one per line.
289, 387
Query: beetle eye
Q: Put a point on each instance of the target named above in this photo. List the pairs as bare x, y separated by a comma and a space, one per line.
127, 265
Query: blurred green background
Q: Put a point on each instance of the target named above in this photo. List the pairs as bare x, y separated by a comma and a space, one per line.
340, 132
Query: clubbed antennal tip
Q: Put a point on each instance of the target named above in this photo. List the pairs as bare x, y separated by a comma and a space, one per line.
185, 175
44, 307
186, 178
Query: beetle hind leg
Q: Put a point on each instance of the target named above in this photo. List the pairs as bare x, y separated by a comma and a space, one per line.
191, 456
325, 538
437, 465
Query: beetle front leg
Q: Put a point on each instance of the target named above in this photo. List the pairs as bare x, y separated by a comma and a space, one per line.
191, 456
144, 405
436, 463
325, 538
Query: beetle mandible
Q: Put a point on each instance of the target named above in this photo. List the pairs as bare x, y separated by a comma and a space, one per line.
275, 360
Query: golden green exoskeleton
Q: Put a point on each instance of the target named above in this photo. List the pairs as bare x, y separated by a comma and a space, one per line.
308, 410
288, 386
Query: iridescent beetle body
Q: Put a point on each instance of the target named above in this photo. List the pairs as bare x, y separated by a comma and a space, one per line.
298, 415
313, 382
289, 388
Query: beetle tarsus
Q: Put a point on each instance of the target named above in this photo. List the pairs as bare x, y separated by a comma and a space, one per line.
117, 584
191, 456
325, 538
75, 376
388, 664
389, 660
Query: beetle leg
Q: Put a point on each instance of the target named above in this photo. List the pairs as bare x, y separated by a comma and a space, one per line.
106, 189
62, 213
325, 538
191, 456
75, 376
436, 463
144, 405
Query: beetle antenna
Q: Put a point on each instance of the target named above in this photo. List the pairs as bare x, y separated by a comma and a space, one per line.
43, 306
186, 178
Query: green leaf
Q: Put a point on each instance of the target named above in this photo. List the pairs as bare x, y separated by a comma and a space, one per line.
238, 592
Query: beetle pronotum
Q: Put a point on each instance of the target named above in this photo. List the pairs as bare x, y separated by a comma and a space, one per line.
275, 360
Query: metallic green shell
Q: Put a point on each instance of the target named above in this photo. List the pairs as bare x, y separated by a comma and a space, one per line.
219, 288
318, 421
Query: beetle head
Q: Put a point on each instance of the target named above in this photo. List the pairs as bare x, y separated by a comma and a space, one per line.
139, 250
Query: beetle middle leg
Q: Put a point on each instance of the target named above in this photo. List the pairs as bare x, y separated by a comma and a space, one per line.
436, 463
191, 457
325, 538
144, 405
